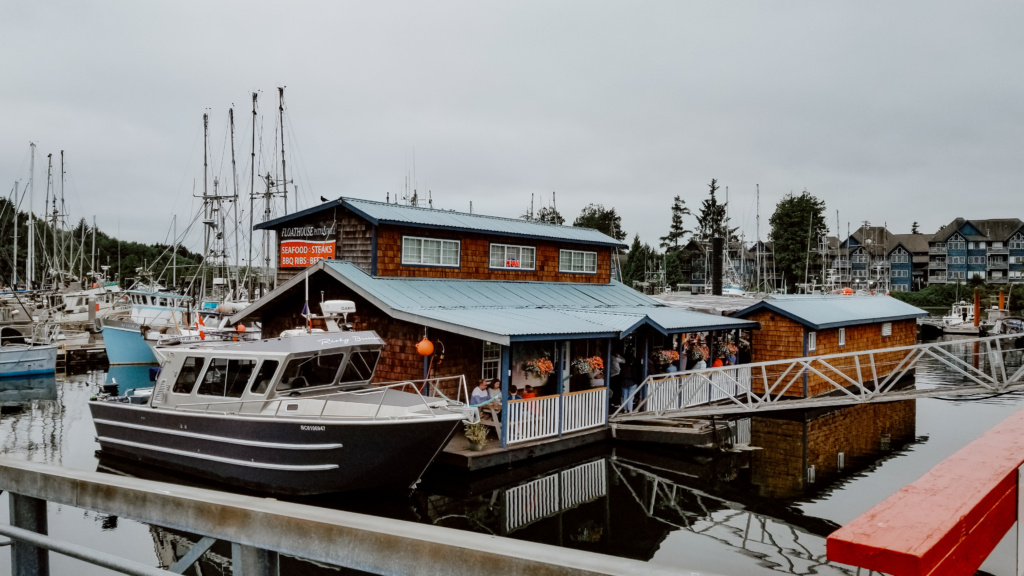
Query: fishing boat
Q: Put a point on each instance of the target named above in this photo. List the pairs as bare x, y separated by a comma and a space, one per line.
24, 354
960, 319
292, 415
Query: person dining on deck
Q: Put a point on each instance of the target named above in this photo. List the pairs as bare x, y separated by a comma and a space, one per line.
513, 392
480, 396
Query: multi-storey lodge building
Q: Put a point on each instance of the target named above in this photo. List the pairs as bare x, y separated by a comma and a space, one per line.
989, 249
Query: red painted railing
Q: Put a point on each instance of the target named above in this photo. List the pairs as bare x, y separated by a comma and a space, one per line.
948, 521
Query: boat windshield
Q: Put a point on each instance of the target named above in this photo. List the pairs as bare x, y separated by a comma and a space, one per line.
360, 366
226, 377
321, 370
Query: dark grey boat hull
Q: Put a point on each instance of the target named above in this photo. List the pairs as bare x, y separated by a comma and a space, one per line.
274, 455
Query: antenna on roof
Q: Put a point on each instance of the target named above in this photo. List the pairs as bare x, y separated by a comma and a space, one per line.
470, 206
387, 199
430, 199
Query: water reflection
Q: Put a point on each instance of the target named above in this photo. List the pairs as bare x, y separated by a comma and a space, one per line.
802, 452
747, 511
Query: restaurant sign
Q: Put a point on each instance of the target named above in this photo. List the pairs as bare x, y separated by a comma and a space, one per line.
303, 246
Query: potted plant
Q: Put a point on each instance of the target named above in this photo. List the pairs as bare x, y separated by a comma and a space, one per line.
476, 433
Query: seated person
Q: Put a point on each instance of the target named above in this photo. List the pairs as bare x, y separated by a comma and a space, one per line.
531, 392
480, 395
513, 392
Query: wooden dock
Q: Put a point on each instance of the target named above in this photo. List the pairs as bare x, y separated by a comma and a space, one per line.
81, 357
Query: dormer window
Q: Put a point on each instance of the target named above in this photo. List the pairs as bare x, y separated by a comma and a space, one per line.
577, 261
506, 256
430, 252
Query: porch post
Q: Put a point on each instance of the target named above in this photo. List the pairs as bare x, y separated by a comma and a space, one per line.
607, 379
506, 375
682, 353
559, 387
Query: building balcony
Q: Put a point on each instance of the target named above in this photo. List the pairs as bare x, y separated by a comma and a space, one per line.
937, 265
937, 278
840, 263
1003, 250
998, 280
936, 250
997, 264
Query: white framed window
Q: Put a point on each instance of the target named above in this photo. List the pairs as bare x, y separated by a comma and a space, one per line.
491, 362
886, 329
956, 245
577, 261
976, 259
842, 336
956, 259
430, 252
1017, 242
507, 256
812, 342
956, 275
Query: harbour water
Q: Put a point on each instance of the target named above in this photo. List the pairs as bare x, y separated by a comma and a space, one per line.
765, 507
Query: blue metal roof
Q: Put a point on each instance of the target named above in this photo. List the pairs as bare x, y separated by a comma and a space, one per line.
385, 213
505, 311
821, 312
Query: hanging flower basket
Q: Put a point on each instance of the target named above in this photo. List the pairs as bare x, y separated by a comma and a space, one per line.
539, 368
667, 356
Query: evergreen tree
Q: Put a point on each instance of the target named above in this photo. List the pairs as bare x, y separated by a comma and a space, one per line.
640, 258
914, 228
711, 221
676, 232
796, 225
601, 219
550, 215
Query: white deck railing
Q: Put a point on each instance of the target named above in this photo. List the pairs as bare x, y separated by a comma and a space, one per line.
535, 418
547, 496
586, 409
672, 392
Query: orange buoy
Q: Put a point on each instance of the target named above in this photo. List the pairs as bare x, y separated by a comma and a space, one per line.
240, 327
425, 347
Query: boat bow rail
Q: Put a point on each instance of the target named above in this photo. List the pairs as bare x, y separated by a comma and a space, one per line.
991, 365
411, 399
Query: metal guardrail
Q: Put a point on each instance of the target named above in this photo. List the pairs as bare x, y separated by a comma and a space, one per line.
264, 528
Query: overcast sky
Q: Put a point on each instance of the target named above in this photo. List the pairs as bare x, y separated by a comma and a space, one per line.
891, 112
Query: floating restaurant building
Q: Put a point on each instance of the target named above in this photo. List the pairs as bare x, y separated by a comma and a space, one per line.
493, 295
807, 326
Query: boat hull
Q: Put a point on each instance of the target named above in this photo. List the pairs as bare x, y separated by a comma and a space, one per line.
125, 344
19, 360
279, 455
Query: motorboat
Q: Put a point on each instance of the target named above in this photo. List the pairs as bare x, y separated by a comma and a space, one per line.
292, 415
960, 319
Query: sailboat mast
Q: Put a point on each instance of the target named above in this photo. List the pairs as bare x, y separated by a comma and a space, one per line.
49, 185
252, 193
234, 199
30, 262
284, 174
14, 259
758, 231
174, 254
92, 267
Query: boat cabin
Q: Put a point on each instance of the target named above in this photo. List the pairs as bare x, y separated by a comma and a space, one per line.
227, 374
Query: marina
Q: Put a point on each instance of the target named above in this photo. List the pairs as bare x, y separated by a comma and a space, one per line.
763, 506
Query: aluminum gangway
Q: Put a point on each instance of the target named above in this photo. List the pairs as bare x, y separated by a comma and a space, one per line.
984, 365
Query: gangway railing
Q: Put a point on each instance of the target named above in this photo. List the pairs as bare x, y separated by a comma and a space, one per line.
780, 545
990, 364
